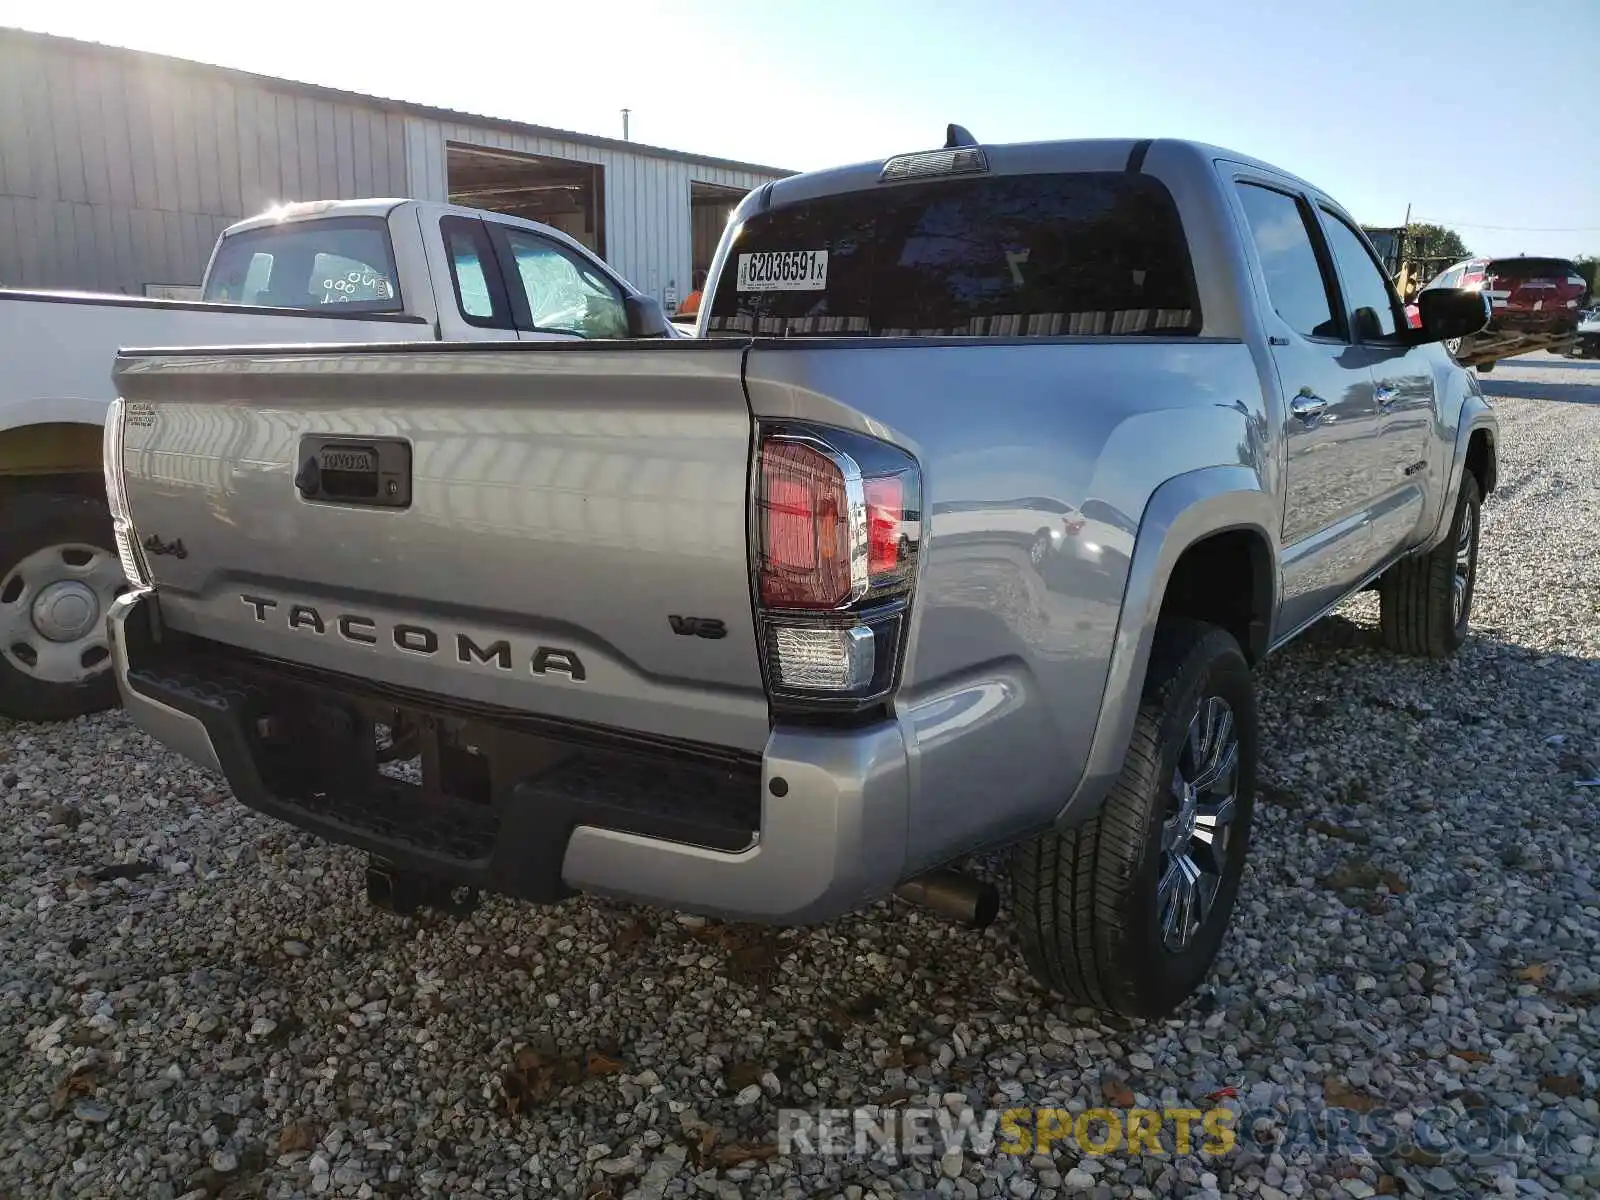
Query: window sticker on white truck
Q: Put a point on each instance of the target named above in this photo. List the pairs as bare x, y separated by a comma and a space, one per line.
783, 271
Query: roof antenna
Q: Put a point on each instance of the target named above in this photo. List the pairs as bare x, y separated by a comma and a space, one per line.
956, 135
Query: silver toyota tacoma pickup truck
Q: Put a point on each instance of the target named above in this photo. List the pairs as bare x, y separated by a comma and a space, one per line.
993, 471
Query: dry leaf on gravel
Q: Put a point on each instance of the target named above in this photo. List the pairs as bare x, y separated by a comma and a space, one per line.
80, 1082
300, 1135
123, 871
1117, 1093
1534, 973
1339, 1094
1353, 873
909, 1057
700, 1148
742, 1075
735, 1153
602, 1064
1343, 833
1278, 797
755, 963
1418, 1156
1357, 874
1471, 1056
752, 950
629, 934
537, 1076
1561, 1085
1575, 763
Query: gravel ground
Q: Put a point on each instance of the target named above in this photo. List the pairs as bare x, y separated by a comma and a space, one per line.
193, 1002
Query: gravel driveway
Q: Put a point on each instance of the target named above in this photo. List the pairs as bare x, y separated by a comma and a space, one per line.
193, 1000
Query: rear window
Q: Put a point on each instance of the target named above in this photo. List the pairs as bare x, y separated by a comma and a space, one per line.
1530, 268
1001, 256
307, 264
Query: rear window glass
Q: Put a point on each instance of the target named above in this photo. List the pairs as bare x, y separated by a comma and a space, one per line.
1002, 256
308, 264
1530, 268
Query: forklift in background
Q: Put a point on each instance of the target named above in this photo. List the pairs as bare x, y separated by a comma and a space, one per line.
1409, 274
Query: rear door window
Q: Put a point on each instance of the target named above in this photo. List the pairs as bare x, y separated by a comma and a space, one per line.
346, 261
1283, 231
474, 273
1000, 256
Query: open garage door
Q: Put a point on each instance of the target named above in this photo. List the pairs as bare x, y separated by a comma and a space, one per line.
710, 205
557, 191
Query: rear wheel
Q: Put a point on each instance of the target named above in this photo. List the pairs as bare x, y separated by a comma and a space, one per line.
58, 575
1040, 550
1126, 912
1425, 602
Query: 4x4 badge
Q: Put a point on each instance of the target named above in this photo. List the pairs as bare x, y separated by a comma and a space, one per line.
155, 546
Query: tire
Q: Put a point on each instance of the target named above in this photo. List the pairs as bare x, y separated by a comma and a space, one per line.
1040, 549
1417, 597
48, 540
1089, 902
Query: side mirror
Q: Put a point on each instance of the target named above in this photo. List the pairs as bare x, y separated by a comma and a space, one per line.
1450, 313
646, 317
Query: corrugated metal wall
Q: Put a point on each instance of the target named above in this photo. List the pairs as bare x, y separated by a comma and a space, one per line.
648, 229
116, 172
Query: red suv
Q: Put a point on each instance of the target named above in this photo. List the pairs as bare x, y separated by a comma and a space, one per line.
1526, 295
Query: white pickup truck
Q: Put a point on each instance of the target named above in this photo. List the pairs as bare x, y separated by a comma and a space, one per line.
315, 273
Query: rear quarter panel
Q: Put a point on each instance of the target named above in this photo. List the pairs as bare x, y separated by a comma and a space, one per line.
1009, 651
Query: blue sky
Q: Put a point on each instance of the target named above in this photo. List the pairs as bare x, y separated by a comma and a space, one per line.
1476, 112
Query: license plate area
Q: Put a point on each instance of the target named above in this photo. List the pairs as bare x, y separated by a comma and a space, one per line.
369, 472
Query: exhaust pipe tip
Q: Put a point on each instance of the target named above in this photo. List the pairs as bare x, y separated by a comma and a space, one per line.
971, 901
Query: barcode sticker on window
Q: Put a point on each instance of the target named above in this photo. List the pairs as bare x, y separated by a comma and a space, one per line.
783, 271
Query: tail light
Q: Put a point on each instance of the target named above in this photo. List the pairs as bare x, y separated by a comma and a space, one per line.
117, 498
836, 524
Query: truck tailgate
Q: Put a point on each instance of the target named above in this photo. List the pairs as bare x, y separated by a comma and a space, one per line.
554, 528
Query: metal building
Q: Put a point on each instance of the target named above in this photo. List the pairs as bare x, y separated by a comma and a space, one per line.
118, 169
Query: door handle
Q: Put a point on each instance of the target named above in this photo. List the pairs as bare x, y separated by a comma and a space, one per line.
1307, 406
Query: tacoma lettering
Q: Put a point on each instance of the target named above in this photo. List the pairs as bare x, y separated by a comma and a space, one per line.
468, 650
411, 638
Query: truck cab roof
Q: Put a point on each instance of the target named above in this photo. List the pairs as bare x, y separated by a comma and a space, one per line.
381, 207
1019, 158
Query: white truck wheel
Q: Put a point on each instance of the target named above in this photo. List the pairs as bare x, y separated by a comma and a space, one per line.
58, 575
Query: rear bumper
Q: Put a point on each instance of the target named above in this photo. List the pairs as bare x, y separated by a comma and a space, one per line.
1517, 320
813, 829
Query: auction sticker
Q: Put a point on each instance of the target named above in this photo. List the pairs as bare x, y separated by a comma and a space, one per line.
783, 271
